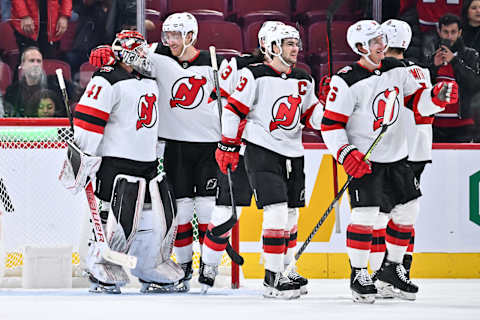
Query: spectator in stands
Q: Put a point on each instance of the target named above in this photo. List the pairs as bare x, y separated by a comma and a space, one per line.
99, 21
448, 58
6, 8
429, 12
471, 23
40, 23
45, 104
20, 94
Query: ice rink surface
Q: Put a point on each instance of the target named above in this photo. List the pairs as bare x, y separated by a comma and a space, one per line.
327, 299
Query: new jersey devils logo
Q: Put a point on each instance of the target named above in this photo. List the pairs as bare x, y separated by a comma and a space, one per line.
378, 108
187, 92
285, 113
147, 111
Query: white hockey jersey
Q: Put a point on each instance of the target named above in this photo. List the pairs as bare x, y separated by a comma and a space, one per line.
117, 116
356, 103
185, 87
418, 128
274, 104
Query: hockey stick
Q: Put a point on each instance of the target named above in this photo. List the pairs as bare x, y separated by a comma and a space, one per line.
387, 114
228, 225
332, 8
107, 253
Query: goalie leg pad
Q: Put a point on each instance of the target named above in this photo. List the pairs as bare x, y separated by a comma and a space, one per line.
154, 240
102, 272
125, 210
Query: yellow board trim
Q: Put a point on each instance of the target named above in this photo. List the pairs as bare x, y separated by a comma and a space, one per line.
336, 266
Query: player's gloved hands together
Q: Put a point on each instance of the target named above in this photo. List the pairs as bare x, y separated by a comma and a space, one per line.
227, 154
353, 162
102, 56
445, 92
324, 89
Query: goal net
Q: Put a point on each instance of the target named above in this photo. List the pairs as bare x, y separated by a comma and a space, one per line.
35, 209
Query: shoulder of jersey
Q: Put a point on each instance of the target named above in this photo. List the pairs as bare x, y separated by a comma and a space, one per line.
354, 73
247, 59
411, 62
203, 59
113, 74
262, 70
160, 48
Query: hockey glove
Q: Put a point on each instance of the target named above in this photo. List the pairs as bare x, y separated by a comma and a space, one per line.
102, 56
445, 92
323, 89
227, 154
353, 161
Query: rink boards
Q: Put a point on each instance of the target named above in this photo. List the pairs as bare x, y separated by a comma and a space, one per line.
447, 241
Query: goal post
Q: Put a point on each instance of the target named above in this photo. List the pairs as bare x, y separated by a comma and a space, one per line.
36, 210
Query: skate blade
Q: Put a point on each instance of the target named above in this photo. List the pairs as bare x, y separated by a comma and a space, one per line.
303, 290
273, 293
149, 288
97, 288
363, 298
204, 288
385, 290
410, 296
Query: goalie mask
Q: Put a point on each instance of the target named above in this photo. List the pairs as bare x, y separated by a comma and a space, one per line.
276, 37
267, 26
180, 25
130, 48
398, 33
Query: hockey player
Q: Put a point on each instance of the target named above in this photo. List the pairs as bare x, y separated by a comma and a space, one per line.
274, 152
419, 141
189, 124
213, 247
116, 120
353, 115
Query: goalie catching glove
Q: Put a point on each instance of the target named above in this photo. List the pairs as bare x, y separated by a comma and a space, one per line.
445, 92
227, 154
353, 161
77, 168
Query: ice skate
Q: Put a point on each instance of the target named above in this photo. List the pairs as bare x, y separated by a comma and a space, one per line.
363, 289
296, 277
206, 277
396, 275
277, 286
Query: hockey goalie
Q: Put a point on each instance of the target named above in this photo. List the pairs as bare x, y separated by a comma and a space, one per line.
115, 136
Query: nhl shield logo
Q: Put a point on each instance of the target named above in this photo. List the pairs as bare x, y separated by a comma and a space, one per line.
188, 92
147, 111
378, 108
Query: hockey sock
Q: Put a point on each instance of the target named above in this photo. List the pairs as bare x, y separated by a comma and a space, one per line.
411, 244
213, 247
377, 250
291, 235
359, 240
273, 249
397, 239
183, 243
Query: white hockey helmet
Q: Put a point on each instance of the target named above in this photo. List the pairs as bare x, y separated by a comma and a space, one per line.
361, 33
266, 27
277, 35
184, 23
398, 33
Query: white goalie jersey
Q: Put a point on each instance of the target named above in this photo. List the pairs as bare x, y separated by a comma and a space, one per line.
356, 103
117, 116
273, 104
